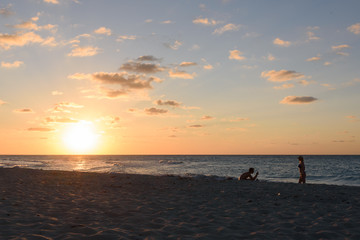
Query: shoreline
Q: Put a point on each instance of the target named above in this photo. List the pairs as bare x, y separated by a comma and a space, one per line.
53, 204
193, 176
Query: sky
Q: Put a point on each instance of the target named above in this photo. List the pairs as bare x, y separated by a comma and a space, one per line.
179, 77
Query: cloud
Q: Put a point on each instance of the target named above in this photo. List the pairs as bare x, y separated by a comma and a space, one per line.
2, 102
103, 30
50, 41
113, 93
207, 118
196, 126
353, 118
355, 28
208, 67
60, 120
343, 53
174, 46
84, 51
188, 64
56, 93
148, 58
284, 86
166, 22
155, 111
310, 34
24, 110
181, 74
69, 105
130, 81
171, 103
14, 64
270, 57
6, 11
140, 67
282, 43
339, 47
40, 129
352, 82
226, 28
238, 119
298, 100
62, 107
328, 86
236, 54
305, 82
125, 37
281, 76
313, 59
194, 47
29, 25
52, 1
80, 76
19, 39
205, 21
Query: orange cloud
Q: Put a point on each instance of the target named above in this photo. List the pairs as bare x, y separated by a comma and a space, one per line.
14, 64
355, 28
188, 64
298, 100
87, 51
207, 118
282, 43
208, 67
281, 76
236, 54
52, 1
196, 126
181, 74
6, 11
103, 30
155, 111
24, 110
226, 28
313, 59
126, 37
205, 21
339, 47
174, 46
171, 103
62, 107
60, 120
18, 40
284, 86
40, 129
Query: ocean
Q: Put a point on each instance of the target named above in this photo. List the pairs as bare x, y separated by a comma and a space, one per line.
320, 169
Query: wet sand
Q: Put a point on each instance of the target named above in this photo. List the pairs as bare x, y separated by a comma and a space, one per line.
36, 204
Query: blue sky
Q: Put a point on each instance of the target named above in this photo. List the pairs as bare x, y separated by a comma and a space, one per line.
170, 77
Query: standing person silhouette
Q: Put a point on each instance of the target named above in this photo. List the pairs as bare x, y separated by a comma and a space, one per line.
301, 166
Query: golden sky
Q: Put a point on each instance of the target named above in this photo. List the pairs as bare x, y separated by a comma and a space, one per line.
179, 77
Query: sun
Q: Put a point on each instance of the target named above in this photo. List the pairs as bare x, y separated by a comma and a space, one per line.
81, 137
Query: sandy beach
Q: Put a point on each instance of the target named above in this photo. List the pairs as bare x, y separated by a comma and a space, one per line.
36, 204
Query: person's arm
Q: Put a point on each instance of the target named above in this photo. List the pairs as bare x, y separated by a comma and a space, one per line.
254, 178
